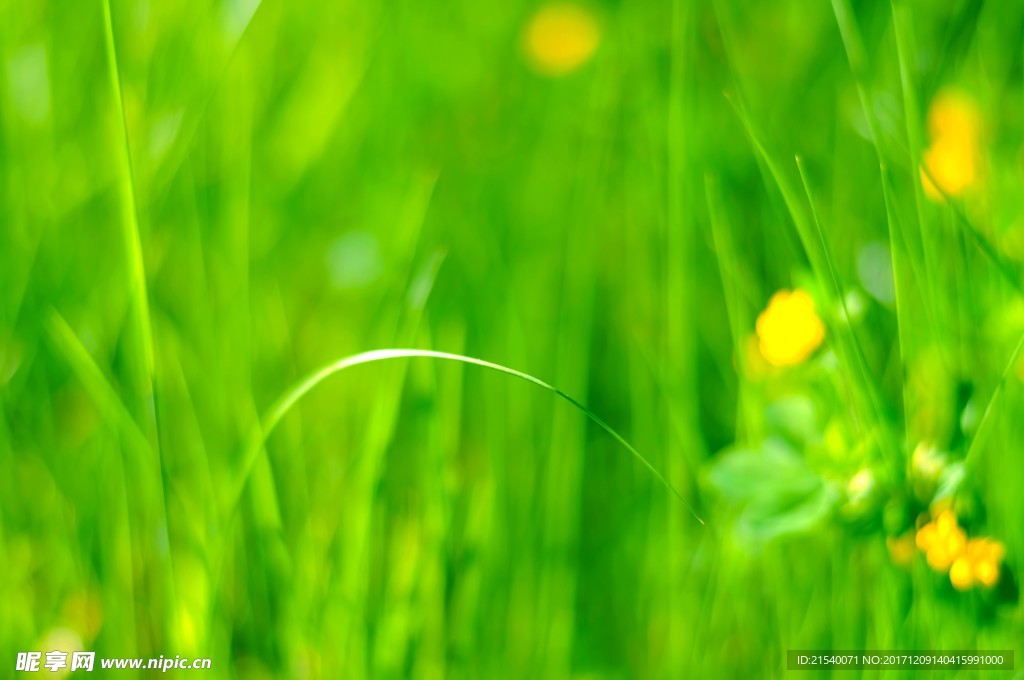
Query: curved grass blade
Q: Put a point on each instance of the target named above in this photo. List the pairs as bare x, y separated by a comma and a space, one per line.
288, 400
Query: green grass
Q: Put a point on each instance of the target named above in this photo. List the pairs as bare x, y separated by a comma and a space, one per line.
219, 220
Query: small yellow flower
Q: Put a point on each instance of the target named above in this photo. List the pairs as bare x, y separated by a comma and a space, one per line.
983, 557
925, 537
944, 551
952, 164
954, 115
560, 38
987, 572
942, 540
970, 562
961, 575
946, 522
979, 564
996, 550
788, 329
952, 160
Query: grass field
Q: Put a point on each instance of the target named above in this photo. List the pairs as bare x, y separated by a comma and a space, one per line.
771, 252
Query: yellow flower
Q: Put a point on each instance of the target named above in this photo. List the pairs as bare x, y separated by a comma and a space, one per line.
788, 329
946, 549
560, 38
952, 161
952, 164
954, 115
970, 562
946, 522
979, 564
942, 540
960, 574
925, 537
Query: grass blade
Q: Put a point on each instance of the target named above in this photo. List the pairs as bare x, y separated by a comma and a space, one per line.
130, 227
733, 282
992, 402
853, 350
290, 398
96, 384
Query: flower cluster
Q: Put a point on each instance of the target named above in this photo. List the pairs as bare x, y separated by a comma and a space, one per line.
970, 562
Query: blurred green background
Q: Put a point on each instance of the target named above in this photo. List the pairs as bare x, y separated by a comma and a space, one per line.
202, 202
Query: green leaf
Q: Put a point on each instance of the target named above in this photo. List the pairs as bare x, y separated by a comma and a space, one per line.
773, 489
